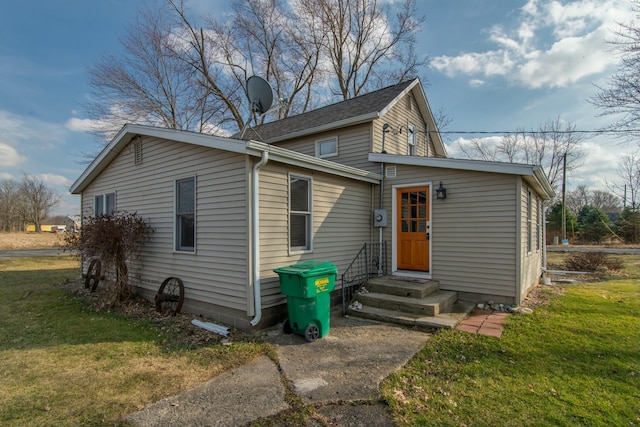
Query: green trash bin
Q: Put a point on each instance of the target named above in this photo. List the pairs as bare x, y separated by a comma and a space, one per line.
308, 286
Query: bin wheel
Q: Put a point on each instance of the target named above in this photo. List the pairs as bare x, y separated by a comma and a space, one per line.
93, 275
286, 327
311, 333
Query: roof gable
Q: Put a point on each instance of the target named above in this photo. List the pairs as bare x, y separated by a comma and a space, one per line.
360, 109
251, 148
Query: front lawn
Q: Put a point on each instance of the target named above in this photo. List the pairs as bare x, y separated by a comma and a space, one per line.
574, 362
63, 362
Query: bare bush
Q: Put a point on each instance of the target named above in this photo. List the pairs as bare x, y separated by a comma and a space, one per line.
592, 261
113, 239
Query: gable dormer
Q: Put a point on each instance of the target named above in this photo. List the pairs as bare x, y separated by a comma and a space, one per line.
346, 132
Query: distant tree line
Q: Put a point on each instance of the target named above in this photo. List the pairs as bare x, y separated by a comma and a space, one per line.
24, 202
595, 216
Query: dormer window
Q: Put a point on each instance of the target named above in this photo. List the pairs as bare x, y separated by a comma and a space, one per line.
327, 147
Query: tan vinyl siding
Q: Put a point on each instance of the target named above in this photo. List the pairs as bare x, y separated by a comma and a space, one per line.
399, 117
354, 145
218, 272
341, 223
473, 231
531, 260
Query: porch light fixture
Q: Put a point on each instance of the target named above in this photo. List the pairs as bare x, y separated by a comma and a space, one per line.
441, 192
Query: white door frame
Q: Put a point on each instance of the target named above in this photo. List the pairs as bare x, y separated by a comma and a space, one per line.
394, 232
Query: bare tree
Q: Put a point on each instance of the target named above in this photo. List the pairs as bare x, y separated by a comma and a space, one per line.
546, 146
187, 72
622, 96
628, 187
11, 206
364, 48
605, 201
37, 199
577, 199
148, 84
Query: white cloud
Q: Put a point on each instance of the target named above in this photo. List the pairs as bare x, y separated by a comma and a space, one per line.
75, 124
9, 156
15, 128
551, 45
55, 180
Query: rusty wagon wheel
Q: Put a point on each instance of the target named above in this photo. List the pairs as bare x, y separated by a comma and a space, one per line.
93, 275
170, 296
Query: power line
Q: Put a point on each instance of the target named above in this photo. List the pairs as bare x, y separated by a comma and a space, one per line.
511, 132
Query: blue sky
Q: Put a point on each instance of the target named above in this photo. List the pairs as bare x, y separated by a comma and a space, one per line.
496, 65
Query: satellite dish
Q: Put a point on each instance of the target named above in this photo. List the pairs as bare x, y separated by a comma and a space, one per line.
260, 94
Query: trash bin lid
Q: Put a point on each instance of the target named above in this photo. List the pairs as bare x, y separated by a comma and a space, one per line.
309, 268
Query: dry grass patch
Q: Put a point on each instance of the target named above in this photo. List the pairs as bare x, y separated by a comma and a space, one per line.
64, 362
15, 241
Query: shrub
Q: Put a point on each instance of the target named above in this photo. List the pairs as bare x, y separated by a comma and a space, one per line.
113, 239
591, 261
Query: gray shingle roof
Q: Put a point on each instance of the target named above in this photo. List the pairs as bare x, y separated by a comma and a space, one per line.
363, 105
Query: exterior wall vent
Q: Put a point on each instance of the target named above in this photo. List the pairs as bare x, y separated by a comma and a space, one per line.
390, 172
137, 150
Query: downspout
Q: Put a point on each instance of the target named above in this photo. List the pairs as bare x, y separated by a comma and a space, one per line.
385, 128
255, 237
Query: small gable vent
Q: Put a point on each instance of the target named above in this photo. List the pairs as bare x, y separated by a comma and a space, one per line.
390, 172
137, 152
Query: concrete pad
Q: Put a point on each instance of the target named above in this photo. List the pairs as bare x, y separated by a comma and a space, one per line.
234, 398
349, 363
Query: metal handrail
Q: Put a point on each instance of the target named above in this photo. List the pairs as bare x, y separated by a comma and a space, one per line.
364, 266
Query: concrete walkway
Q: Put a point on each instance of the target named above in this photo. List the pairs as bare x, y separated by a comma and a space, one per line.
338, 376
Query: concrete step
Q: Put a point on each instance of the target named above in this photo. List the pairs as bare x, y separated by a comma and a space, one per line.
431, 305
414, 288
448, 319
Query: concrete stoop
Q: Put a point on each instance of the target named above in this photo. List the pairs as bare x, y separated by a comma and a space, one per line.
410, 302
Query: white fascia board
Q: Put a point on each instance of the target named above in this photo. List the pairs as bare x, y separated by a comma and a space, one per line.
129, 131
327, 127
423, 102
293, 158
532, 174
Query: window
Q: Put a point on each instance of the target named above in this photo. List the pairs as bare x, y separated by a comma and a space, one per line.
327, 147
104, 204
300, 221
185, 199
539, 226
529, 222
411, 140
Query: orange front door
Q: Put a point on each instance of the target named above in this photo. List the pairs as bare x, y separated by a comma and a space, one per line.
412, 216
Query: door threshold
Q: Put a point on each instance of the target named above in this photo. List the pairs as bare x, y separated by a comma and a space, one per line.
415, 274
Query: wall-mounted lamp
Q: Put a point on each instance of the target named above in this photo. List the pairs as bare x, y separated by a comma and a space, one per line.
441, 192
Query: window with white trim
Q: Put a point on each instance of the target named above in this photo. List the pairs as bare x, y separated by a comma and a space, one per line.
185, 209
104, 204
411, 140
300, 219
327, 147
539, 225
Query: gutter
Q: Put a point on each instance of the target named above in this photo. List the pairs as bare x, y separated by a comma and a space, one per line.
255, 237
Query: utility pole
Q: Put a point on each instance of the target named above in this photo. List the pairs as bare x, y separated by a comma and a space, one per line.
564, 198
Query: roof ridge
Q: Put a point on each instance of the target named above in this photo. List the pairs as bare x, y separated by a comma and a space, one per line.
354, 107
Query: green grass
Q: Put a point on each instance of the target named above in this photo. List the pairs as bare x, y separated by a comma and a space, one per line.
575, 362
63, 364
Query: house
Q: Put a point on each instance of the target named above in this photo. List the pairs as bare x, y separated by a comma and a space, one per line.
227, 211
